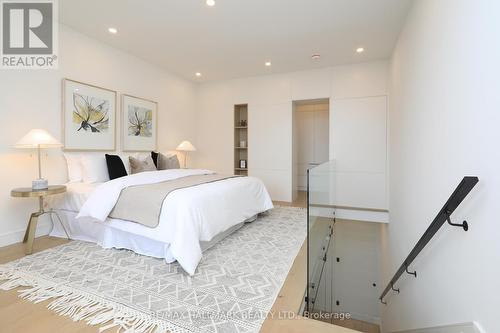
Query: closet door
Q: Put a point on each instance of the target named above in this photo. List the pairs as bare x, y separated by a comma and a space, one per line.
305, 132
321, 135
359, 138
269, 147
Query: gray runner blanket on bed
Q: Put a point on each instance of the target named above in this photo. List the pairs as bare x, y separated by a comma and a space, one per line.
143, 203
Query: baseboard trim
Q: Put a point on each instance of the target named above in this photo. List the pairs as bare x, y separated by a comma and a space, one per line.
13, 237
472, 327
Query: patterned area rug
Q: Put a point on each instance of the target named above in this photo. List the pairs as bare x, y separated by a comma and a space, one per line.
233, 289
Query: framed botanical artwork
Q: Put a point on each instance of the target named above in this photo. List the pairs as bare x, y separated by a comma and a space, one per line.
89, 116
139, 124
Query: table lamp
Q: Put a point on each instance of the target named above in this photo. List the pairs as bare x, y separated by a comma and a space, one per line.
186, 147
38, 139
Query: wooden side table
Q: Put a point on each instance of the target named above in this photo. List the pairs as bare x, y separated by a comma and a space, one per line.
28, 192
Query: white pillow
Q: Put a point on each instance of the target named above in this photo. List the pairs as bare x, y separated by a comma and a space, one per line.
95, 169
126, 162
74, 168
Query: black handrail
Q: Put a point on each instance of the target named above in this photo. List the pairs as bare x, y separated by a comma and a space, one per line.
462, 190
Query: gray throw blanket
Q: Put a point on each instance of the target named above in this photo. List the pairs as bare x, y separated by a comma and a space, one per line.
143, 203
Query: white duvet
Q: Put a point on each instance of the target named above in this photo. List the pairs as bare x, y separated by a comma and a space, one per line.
188, 215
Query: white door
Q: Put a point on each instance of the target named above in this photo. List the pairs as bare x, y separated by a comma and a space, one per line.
321, 135
313, 138
305, 142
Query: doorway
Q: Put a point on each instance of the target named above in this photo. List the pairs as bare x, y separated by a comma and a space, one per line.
311, 133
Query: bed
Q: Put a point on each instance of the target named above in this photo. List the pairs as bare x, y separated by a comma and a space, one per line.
192, 219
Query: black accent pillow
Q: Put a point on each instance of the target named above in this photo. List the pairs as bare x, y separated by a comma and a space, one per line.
116, 168
154, 156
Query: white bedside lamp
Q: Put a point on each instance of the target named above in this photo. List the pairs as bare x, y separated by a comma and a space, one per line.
37, 139
186, 147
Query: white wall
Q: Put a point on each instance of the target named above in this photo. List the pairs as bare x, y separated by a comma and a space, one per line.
270, 117
444, 124
350, 281
32, 99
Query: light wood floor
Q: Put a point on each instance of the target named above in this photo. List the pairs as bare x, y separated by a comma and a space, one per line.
300, 201
20, 316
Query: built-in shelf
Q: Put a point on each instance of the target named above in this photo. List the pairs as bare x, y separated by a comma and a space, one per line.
240, 138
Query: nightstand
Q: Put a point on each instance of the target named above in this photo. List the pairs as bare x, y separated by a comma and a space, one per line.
28, 192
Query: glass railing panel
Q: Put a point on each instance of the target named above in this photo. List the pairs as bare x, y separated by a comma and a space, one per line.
343, 255
321, 184
321, 193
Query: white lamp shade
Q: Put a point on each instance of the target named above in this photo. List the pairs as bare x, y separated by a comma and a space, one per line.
37, 138
186, 146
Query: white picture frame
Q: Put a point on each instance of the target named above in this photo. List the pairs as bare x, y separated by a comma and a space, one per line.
139, 124
88, 117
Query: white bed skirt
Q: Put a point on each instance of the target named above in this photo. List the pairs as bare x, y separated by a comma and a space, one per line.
101, 233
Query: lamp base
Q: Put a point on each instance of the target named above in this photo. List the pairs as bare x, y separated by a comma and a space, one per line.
40, 184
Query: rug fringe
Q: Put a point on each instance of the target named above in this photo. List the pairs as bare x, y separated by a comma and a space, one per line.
81, 306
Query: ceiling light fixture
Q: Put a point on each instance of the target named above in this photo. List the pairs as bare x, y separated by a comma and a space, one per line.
113, 30
315, 56
198, 74
360, 50
268, 64
210, 3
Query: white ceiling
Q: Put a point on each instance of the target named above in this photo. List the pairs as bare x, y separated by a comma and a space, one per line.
236, 37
